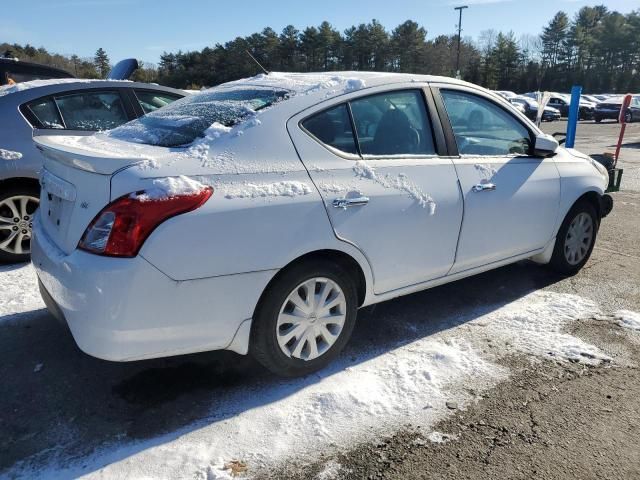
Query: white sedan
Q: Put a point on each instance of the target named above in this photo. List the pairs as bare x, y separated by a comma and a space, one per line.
258, 216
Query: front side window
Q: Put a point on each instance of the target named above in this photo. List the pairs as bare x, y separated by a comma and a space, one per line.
46, 113
333, 127
483, 128
151, 101
92, 111
393, 123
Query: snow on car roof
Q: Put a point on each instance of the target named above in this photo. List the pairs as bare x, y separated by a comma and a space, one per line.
20, 87
332, 82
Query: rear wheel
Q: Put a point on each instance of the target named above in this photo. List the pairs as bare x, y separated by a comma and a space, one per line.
576, 239
17, 208
304, 319
628, 117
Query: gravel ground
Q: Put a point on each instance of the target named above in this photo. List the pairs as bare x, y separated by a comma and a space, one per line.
548, 420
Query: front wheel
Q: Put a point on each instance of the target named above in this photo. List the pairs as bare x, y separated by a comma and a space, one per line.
17, 208
304, 319
576, 239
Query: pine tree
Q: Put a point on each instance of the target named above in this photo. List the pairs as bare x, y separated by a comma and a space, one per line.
101, 61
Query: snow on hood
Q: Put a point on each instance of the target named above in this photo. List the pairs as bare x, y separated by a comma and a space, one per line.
19, 87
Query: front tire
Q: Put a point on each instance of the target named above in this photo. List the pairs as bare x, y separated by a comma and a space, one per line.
17, 207
576, 239
304, 319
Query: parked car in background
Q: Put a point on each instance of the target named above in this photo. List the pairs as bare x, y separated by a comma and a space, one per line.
531, 107
279, 205
610, 109
14, 71
590, 98
59, 107
506, 94
562, 102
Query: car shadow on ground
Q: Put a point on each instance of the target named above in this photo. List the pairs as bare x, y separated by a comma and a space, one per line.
59, 403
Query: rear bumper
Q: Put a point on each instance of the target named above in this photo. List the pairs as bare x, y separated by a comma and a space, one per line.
126, 309
606, 114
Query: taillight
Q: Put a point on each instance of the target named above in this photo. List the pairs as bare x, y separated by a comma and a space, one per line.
121, 228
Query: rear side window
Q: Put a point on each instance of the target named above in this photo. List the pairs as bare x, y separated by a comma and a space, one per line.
46, 113
386, 124
483, 128
150, 101
393, 123
333, 127
92, 110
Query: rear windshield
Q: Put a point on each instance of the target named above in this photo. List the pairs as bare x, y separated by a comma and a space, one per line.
181, 122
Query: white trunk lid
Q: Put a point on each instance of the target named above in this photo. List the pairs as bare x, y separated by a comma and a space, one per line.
75, 187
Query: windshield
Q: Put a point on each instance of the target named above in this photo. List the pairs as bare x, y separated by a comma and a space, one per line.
181, 122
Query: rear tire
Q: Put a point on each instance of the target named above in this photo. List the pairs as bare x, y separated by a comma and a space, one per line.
628, 117
576, 239
317, 333
18, 204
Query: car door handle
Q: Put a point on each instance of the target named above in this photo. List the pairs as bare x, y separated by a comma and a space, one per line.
350, 202
484, 187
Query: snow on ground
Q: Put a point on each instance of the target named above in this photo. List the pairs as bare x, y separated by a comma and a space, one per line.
356, 399
18, 291
628, 319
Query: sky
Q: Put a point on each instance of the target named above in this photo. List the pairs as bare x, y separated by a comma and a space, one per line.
145, 28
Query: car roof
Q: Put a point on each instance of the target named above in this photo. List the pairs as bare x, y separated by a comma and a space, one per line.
25, 91
354, 80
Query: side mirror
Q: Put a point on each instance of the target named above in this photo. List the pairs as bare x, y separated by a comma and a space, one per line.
545, 146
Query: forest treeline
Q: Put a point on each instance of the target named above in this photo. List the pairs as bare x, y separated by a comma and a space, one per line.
597, 48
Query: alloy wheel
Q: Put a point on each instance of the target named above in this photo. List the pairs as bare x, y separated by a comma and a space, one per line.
16, 222
579, 237
311, 319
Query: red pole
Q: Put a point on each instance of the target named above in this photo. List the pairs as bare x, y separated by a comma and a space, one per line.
621, 118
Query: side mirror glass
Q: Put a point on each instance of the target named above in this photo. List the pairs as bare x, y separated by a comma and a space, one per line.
545, 145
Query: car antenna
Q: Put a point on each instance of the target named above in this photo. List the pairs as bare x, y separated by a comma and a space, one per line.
257, 62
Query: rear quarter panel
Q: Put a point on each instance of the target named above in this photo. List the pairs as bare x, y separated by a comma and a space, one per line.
264, 213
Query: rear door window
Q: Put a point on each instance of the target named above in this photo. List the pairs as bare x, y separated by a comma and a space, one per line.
150, 100
393, 123
333, 127
92, 110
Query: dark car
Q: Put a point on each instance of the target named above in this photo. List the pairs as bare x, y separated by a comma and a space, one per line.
530, 105
13, 71
563, 102
610, 109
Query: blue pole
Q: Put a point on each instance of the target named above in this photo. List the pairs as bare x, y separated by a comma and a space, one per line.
574, 110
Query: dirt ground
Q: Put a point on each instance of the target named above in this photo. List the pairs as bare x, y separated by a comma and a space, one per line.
549, 420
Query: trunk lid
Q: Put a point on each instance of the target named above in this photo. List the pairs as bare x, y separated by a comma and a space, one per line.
75, 187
